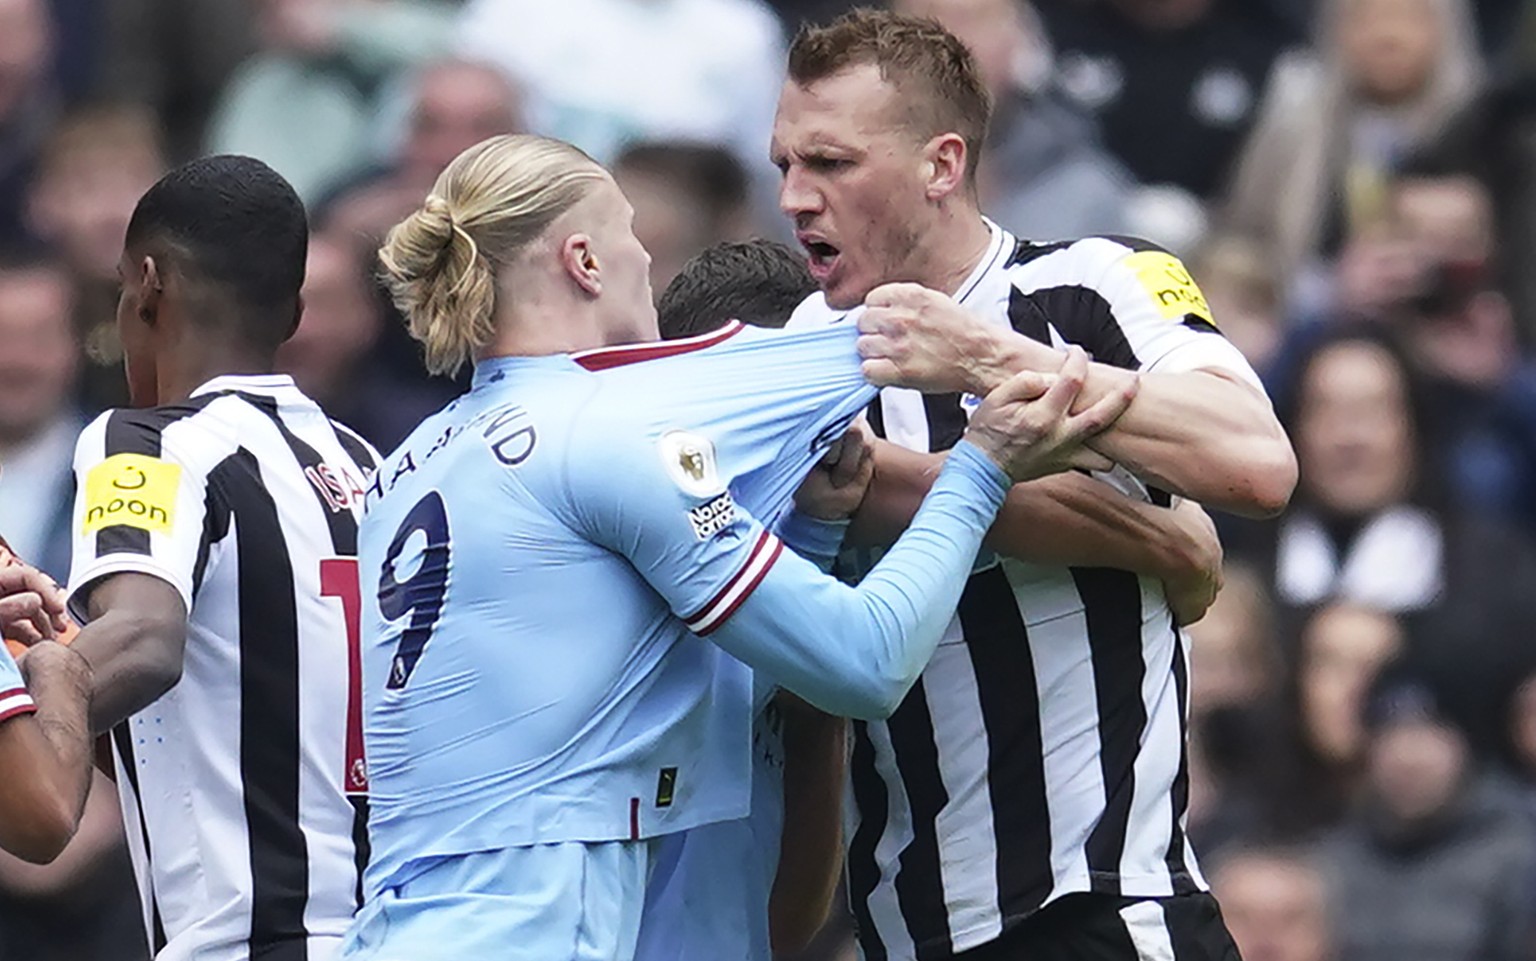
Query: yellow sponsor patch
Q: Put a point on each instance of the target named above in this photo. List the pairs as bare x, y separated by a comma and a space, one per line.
1169, 284
131, 490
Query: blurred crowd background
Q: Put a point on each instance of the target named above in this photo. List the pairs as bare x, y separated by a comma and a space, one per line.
1353, 183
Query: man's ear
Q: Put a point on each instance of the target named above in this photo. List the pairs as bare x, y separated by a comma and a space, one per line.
581, 263
947, 159
150, 288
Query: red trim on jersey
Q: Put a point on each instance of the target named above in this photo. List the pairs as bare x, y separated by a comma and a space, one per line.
25, 708
602, 358
759, 562
774, 551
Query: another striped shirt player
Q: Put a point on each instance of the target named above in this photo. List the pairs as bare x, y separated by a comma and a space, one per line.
242, 787
1043, 751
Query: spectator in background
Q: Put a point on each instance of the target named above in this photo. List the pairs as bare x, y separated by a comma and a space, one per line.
1044, 173
1370, 525
328, 355
1436, 864
306, 101
687, 197
1276, 904
1386, 76
1429, 271
1521, 717
1342, 649
1241, 283
1175, 83
28, 105
604, 73
91, 172
38, 422
175, 58
453, 106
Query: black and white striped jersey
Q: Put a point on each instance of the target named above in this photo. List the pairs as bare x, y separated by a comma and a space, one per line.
242, 787
1042, 752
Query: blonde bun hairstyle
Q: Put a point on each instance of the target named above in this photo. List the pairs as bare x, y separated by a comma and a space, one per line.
494, 199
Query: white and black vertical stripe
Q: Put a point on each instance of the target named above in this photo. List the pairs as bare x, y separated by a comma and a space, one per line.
267, 866
1042, 754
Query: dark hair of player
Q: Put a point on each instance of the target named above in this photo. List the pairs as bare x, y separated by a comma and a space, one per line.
236, 232
757, 282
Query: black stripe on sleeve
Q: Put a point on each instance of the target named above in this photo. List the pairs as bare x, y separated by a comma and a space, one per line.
1026, 317
1178, 867
1084, 317
920, 878
1010, 709
128, 432
1025, 251
139, 432
872, 800
269, 713
1112, 608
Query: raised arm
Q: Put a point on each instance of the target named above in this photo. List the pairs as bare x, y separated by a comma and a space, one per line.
848, 651
1199, 427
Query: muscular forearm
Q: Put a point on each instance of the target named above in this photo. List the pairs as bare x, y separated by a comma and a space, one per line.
1200, 434
1066, 520
47, 758
134, 644
810, 853
121, 650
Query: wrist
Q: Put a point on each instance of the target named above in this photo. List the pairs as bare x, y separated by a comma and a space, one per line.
993, 357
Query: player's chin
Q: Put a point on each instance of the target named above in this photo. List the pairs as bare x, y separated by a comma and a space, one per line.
845, 291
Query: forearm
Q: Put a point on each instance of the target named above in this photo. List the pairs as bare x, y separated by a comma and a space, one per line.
811, 850
124, 651
1067, 520
1201, 434
857, 651
47, 757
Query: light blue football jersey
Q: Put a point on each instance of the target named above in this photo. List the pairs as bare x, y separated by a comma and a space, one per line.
528, 675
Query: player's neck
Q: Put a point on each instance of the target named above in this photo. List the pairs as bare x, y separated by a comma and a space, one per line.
952, 248
178, 377
543, 329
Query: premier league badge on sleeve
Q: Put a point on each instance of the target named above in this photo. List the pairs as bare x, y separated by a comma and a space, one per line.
690, 462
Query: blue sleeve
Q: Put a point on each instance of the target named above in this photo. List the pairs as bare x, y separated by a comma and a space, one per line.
814, 539
856, 651
14, 698
850, 651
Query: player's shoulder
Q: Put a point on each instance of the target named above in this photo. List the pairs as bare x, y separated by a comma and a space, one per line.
148, 430
1080, 255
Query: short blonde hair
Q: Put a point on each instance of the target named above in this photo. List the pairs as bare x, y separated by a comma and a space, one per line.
491, 202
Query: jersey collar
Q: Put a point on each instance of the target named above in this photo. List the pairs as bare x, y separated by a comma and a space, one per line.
251, 383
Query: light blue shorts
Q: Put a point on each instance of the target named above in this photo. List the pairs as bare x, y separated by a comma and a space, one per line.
547, 902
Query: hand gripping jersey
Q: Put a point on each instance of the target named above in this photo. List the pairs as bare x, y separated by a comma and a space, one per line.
542, 558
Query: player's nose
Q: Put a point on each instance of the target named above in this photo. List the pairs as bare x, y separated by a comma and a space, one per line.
798, 195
